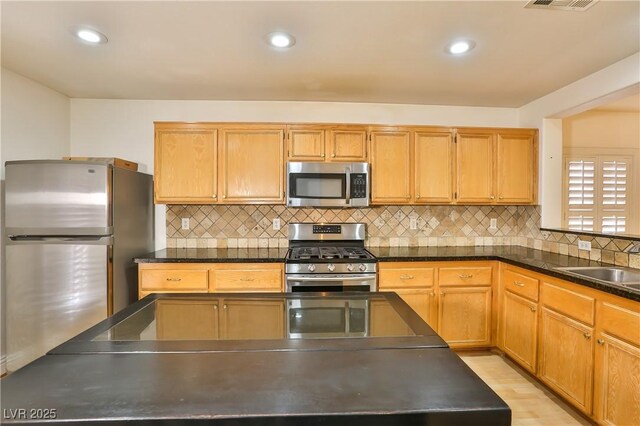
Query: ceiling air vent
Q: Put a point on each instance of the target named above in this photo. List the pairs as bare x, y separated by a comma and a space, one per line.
579, 5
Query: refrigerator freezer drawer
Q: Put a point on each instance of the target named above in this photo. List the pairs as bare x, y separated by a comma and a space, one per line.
58, 198
54, 291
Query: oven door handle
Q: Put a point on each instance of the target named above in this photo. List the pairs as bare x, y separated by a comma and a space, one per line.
356, 278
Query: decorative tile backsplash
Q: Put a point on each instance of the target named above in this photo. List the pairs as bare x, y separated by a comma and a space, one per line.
251, 226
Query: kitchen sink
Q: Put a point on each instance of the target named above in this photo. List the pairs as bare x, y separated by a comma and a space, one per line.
615, 275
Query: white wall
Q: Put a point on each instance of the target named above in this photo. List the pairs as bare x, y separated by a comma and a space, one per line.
615, 80
35, 124
124, 128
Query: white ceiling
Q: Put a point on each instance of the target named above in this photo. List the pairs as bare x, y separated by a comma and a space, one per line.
390, 52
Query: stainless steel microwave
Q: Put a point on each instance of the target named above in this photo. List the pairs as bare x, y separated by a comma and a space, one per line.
312, 184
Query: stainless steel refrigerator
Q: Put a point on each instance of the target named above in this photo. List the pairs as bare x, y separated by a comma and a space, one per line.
71, 229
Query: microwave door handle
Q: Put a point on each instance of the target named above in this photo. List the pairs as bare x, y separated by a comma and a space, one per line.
348, 185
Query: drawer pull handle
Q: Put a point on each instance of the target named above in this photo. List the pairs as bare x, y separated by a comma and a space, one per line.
406, 277
247, 279
518, 283
465, 276
600, 342
533, 308
587, 336
174, 279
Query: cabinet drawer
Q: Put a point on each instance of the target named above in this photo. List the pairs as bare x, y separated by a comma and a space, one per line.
465, 276
238, 280
174, 280
620, 322
568, 302
521, 284
405, 278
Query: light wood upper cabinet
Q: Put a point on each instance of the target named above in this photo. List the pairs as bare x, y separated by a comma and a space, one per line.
306, 143
516, 166
252, 165
329, 143
434, 167
474, 166
347, 144
391, 166
185, 163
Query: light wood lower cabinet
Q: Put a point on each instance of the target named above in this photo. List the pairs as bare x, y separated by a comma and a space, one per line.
520, 330
247, 319
617, 369
209, 277
421, 300
566, 357
186, 319
464, 316
385, 321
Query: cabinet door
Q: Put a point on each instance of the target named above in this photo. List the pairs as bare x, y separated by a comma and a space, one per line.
434, 166
465, 316
306, 143
347, 144
252, 319
391, 167
185, 164
385, 321
474, 167
516, 167
186, 319
520, 330
617, 382
252, 165
422, 301
566, 358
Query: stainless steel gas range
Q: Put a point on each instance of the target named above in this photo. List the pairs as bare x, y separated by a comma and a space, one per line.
329, 257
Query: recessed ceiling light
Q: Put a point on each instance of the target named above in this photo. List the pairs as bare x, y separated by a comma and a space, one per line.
460, 47
280, 39
90, 36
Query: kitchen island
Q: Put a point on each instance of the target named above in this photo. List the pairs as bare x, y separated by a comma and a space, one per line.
255, 359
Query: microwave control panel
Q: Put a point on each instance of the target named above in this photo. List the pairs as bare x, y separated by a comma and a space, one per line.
358, 185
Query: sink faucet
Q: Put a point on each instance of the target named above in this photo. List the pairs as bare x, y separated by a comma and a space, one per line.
635, 248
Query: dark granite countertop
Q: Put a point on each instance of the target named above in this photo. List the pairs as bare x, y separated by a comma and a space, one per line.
214, 255
345, 383
535, 260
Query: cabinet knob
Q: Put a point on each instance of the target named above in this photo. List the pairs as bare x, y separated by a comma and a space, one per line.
501, 197
333, 155
322, 155
600, 342
442, 293
587, 336
417, 196
492, 197
224, 306
533, 308
433, 293
215, 307
214, 196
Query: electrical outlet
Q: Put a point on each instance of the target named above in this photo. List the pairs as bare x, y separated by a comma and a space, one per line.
185, 223
584, 245
493, 223
276, 224
413, 223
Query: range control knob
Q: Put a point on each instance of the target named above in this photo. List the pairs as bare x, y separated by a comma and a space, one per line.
311, 267
331, 267
349, 267
362, 267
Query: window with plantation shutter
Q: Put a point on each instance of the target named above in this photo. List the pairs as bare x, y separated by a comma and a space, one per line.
597, 193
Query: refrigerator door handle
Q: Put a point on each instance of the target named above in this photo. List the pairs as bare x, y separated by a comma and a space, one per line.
89, 239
